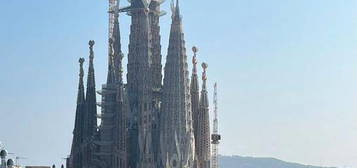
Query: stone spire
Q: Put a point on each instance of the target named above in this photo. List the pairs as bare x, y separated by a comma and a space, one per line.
120, 126
204, 98
80, 96
111, 66
113, 136
154, 19
176, 112
91, 100
195, 97
117, 52
156, 71
80, 107
75, 159
203, 137
90, 116
139, 86
175, 10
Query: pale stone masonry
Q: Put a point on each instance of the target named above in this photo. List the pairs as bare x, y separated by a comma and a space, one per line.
177, 138
195, 98
153, 120
203, 129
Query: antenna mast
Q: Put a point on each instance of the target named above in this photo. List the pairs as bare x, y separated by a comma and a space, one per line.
215, 136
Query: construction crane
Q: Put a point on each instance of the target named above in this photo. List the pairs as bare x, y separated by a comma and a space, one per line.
216, 137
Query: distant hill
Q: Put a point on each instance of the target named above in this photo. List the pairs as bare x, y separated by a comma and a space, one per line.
252, 162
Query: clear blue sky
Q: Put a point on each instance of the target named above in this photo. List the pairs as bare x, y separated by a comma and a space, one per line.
287, 73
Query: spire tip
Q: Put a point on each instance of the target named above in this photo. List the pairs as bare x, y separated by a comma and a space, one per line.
194, 49
91, 53
204, 66
175, 8
194, 59
91, 43
204, 75
81, 61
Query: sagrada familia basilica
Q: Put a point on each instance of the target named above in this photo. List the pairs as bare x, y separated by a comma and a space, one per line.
159, 118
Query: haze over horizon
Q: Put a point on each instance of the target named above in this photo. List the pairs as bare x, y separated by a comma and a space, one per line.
287, 74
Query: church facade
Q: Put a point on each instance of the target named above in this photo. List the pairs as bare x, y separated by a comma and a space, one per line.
159, 118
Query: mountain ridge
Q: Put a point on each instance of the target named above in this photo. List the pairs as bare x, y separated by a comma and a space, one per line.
236, 161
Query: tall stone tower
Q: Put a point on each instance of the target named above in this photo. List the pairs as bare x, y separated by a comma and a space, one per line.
85, 132
145, 123
140, 87
203, 145
121, 104
156, 70
113, 134
75, 159
177, 139
90, 119
195, 98
91, 100
154, 20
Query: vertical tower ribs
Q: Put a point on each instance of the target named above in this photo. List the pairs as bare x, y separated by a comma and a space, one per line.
204, 150
75, 157
177, 145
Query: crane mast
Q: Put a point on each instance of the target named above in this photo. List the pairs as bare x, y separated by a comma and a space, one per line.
216, 137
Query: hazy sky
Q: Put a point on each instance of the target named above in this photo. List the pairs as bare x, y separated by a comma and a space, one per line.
287, 73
